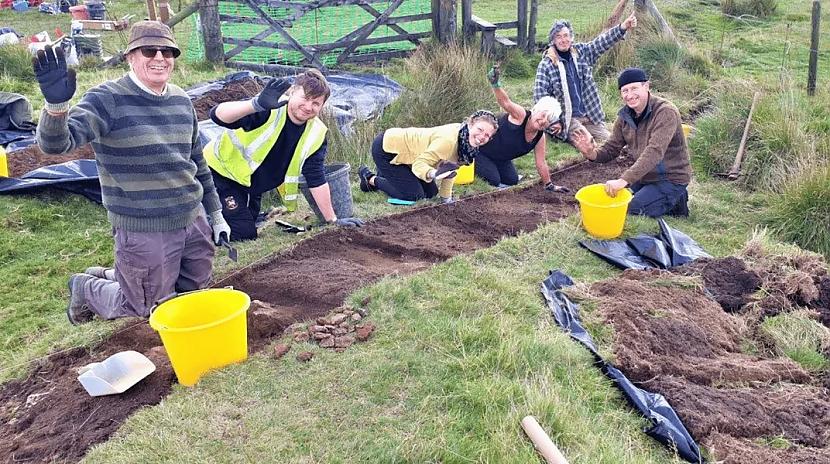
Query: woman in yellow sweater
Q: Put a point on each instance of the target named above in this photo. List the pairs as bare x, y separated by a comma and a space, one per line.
412, 161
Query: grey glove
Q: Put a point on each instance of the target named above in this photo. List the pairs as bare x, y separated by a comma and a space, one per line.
269, 97
447, 200
550, 187
220, 226
444, 170
349, 222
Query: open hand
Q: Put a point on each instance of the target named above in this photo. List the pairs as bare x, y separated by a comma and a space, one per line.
629, 23
269, 97
57, 82
583, 142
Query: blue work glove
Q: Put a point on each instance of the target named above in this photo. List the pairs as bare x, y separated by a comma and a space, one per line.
57, 82
493, 77
349, 222
269, 97
444, 170
220, 226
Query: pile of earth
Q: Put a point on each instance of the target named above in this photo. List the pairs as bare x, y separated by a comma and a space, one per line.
766, 283
684, 334
49, 417
31, 157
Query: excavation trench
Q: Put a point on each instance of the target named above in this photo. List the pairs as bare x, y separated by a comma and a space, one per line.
47, 416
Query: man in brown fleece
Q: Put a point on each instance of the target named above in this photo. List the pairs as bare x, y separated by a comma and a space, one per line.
651, 128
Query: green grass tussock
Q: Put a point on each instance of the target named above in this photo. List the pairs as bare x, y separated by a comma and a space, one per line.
800, 213
444, 84
786, 136
16, 74
741, 8
797, 336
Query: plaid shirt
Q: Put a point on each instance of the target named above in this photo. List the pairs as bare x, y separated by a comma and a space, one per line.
585, 55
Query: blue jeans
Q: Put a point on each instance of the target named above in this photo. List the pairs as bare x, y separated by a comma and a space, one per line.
659, 199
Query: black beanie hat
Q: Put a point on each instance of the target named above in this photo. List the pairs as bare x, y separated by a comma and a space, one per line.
630, 75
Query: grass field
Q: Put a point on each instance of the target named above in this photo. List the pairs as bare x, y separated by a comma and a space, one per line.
447, 378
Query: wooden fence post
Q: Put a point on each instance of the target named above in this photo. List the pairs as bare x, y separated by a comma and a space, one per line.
211, 31
467, 30
531, 26
521, 25
443, 20
811, 72
151, 10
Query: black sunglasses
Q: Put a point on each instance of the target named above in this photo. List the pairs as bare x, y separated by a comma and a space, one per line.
150, 52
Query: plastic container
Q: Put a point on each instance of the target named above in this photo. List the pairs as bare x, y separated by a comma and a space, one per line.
20, 5
97, 11
203, 330
115, 374
79, 12
337, 175
4, 163
466, 174
603, 217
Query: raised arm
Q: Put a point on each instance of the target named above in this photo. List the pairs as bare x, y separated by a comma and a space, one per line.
516, 111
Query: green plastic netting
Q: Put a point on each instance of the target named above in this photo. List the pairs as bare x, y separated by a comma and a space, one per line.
318, 26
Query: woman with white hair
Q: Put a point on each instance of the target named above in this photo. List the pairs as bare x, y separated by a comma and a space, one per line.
520, 131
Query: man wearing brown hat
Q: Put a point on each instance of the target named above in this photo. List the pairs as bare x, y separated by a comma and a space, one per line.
651, 128
155, 184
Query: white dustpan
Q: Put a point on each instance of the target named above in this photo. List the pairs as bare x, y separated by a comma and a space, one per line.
115, 374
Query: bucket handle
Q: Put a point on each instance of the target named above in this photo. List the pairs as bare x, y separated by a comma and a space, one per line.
176, 294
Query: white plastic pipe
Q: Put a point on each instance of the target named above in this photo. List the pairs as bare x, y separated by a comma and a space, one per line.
542, 441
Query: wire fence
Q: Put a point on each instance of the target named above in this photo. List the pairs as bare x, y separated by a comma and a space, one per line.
318, 26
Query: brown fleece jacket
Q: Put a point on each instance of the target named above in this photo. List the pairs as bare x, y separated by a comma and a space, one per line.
657, 144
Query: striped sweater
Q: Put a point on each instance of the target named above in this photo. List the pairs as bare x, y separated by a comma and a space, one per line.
150, 165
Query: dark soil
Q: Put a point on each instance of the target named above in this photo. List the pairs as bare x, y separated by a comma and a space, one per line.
31, 158
237, 90
727, 279
675, 340
301, 284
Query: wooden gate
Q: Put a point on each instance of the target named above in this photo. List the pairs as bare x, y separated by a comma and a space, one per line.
278, 35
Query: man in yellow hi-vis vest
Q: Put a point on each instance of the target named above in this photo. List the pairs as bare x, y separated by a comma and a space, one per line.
270, 141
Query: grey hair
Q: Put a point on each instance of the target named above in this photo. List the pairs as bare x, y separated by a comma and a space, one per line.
558, 25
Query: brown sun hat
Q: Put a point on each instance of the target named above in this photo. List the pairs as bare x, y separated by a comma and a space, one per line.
151, 34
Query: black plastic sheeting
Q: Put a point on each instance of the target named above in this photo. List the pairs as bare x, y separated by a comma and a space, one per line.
665, 427
80, 176
354, 97
669, 248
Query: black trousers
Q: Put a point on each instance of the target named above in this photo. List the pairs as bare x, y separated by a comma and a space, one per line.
239, 207
496, 172
397, 180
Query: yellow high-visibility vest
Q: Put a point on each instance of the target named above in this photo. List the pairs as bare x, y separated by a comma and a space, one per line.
236, 154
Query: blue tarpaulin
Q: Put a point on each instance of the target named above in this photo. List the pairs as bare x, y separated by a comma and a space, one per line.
666, 427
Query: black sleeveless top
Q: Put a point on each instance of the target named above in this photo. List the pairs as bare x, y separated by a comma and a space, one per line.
509, 142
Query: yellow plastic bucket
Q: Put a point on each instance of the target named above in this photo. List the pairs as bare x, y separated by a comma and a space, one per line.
203, 330
603, 217
4, 163
466, 174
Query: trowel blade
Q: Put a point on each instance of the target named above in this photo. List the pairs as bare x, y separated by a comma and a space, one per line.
232, 254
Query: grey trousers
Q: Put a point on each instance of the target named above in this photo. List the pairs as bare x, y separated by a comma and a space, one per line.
150, 266
599, 131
